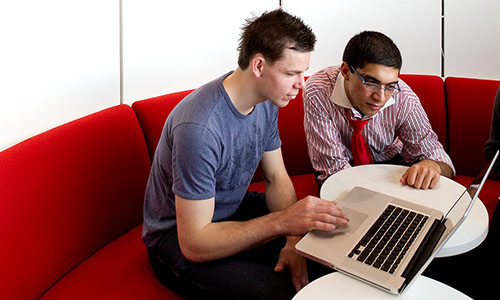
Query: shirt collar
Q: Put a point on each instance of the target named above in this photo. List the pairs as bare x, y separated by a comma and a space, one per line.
340, 98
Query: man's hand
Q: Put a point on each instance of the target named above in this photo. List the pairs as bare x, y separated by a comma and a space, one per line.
309, 214
422, 175
295, 263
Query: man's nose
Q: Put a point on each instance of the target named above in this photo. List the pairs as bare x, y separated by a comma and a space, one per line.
300, 83
379, 95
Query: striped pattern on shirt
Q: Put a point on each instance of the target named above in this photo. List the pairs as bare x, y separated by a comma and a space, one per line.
402, 127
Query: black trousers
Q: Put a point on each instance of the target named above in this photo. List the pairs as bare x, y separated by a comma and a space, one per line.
248, 275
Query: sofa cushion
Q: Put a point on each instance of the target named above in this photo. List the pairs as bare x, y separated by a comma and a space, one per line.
430, 91
470, 106
121, 270
66, 193
152, 114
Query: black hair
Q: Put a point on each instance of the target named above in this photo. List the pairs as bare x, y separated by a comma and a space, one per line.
372, 47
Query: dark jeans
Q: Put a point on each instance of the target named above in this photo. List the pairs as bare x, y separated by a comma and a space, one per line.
248, 275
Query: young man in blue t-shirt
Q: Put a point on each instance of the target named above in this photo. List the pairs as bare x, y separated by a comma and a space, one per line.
206, 234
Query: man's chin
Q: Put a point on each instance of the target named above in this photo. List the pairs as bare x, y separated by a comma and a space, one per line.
281, 103
370, 111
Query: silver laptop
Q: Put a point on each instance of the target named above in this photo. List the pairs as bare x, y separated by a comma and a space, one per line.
389, 241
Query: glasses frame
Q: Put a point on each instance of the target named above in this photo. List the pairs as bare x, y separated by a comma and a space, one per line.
374, 87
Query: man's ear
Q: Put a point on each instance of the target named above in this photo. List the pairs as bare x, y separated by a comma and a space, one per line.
344, 70
257, 64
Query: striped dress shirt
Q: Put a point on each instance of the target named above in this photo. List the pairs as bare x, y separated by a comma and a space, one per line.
401, 126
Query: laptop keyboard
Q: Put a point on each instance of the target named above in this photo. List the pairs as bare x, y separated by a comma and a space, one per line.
388, 240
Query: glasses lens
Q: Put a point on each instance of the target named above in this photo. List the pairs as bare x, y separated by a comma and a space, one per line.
372, 87
392, 92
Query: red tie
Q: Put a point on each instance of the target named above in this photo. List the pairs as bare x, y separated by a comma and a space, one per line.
359, 147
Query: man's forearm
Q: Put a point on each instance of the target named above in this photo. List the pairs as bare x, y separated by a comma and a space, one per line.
207, 240
280, 193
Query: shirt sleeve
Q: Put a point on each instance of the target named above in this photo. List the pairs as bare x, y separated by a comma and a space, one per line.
195, 157
419, 140
325, 146
273, 141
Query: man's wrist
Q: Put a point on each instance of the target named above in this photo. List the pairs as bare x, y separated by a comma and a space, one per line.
438, 164
293, 239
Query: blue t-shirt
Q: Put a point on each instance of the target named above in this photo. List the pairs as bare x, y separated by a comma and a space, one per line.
207, 149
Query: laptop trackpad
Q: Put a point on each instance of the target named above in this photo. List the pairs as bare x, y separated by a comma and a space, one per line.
356, 218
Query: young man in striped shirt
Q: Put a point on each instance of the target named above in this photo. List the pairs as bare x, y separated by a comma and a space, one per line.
366, 87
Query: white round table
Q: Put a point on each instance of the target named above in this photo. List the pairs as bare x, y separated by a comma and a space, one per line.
339, 286
385, 179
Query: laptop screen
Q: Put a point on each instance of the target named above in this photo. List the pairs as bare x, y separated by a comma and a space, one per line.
473, 190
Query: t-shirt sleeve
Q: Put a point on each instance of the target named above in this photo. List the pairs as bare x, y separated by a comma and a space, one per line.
273, 138
195, 157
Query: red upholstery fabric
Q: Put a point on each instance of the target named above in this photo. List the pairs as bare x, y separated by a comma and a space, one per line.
66, 193
121, 270
293, 137
489, 194
430, 91
152, 114
469, 121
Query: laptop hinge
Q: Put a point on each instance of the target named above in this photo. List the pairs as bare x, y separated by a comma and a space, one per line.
425, 249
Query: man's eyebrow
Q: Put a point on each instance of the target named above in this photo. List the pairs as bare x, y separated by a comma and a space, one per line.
373, 79
298, 71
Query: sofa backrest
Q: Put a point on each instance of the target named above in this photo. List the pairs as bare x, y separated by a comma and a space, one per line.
430, 91
470, 107
293, 137
66, 193
152, 114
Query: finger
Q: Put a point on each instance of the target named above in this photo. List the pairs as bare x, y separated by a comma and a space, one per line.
426, 183
318, 225
424, 178
419, 178
300, 281
404, 177
279, 268
331, 208
329, 218
333, 211
280, 265
299, 275
411, 177
434, 181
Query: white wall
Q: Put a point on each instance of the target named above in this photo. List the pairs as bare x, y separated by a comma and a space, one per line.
415, 27
472, 38
59, 60
171, 46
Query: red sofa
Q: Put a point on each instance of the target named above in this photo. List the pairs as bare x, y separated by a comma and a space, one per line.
71, 198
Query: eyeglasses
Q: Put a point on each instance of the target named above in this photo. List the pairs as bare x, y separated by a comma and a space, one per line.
391, 89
